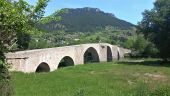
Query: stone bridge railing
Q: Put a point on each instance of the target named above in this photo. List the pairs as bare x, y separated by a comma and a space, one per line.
51, 58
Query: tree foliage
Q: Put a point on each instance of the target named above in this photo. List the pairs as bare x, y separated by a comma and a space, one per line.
155, 26
17, 20
141, 47
18, 17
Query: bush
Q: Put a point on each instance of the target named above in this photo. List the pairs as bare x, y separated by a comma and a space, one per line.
5, 88
141, 47
151, 50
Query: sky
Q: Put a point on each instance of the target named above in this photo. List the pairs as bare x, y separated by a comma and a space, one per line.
128, 10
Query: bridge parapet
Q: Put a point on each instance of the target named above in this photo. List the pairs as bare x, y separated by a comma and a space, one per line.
30, 60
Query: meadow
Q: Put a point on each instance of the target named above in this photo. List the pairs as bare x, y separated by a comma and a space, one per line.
147, 78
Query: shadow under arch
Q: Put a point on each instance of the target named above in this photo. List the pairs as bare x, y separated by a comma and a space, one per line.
43, 67
118, 55
109, 54
91, 55
66, 61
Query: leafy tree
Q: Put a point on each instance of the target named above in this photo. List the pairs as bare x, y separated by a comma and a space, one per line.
150, 50
23, 40
140, 44
129, 43
39, 44
141, 47
155, 26
137, 44
16, 18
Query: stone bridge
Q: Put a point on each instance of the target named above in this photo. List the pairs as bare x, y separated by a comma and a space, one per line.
45, 60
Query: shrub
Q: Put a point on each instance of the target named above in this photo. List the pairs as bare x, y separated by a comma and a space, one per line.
5, 88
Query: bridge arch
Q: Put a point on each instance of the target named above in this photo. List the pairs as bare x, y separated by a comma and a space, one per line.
43, 67
66, 61
91, 55
109, 54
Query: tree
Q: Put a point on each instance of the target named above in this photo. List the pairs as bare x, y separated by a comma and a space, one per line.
23, 40
150, 50
155, 26
130, 42
141, 47
16, 17
140, 44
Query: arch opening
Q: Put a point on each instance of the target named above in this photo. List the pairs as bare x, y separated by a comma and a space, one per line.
43, 67
91, 55
109, 54
66, 61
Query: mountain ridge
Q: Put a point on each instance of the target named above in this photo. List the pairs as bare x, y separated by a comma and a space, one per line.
84, 20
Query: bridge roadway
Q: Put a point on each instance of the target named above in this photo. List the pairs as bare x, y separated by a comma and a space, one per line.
49, 59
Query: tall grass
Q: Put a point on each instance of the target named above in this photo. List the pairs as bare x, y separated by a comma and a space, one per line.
99, 79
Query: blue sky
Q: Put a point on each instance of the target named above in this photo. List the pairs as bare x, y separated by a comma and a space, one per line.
129, 10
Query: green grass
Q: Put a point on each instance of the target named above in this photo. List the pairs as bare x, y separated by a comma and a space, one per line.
100, 79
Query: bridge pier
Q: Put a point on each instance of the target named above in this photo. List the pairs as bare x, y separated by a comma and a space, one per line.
30, 60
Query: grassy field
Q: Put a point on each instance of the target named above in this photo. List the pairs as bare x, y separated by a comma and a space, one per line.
98, 79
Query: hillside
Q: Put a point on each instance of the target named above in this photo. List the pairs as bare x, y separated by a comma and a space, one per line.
81, 26
84, 20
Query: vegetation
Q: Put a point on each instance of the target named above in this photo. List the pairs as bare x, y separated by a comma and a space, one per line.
72, 26
105, 79
155, 27
22, 26
91, 25
141, 47
106, 35
83, 20
17, 20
